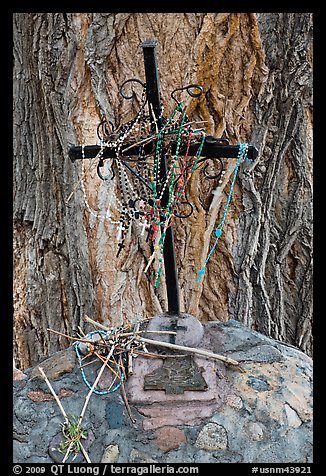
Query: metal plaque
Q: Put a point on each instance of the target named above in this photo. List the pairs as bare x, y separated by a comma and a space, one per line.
176, 375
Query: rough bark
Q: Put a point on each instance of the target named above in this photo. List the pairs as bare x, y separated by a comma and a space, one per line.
256, 74
273, 256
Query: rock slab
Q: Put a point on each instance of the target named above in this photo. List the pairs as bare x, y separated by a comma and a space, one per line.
262, 414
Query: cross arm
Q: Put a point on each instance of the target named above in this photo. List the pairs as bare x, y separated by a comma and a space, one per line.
211, 149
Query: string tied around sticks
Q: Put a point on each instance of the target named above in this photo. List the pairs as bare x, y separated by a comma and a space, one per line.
242, 156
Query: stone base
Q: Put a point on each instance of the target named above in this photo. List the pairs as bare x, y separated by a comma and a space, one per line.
262, 414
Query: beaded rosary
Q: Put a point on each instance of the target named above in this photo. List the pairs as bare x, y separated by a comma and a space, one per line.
139, 202
162, 217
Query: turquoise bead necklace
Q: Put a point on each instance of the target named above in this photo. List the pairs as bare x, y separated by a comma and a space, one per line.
242, 156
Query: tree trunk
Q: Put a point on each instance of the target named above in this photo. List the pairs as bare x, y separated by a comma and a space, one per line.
256, 73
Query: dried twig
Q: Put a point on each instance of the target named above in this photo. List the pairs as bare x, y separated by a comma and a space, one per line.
54, 394
191, 350
143, 141
124, 396
67, 452
96, 324
88, 396
79, 339
106, 363
87, 458
126, 334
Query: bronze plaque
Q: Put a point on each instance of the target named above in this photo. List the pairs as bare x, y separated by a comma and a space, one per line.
176, 375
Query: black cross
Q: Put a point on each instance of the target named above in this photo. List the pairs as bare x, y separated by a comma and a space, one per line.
212, 148
153, 95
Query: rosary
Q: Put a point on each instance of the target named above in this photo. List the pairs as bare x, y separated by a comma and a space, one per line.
140, 200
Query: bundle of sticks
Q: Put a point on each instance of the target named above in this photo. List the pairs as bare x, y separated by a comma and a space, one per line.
129, 341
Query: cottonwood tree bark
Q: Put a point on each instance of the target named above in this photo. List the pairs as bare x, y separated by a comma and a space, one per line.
256, 73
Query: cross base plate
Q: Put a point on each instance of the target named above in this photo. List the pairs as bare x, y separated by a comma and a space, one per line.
175, 376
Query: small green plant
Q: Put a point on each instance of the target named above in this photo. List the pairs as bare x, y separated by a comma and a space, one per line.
73, 433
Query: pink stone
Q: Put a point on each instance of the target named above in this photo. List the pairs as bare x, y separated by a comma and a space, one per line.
234, 401
18, 374
169, 438
189, 413
161, 409
40, 396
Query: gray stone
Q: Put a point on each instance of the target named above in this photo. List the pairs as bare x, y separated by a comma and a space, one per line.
227, 457
115, 415
212, 437
111, 454
292, 416
21, 451
37, 460
74, 457
238, 337
137, 456
259, 353
255, 431
190, 330
259, 384
203, 456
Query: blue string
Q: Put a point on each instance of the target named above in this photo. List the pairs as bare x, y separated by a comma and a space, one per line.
97, 392
242, 155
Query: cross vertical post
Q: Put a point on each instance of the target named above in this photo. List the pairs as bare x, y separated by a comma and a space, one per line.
153, 96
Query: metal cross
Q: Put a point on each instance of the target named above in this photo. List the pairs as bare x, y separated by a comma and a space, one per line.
213, 148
